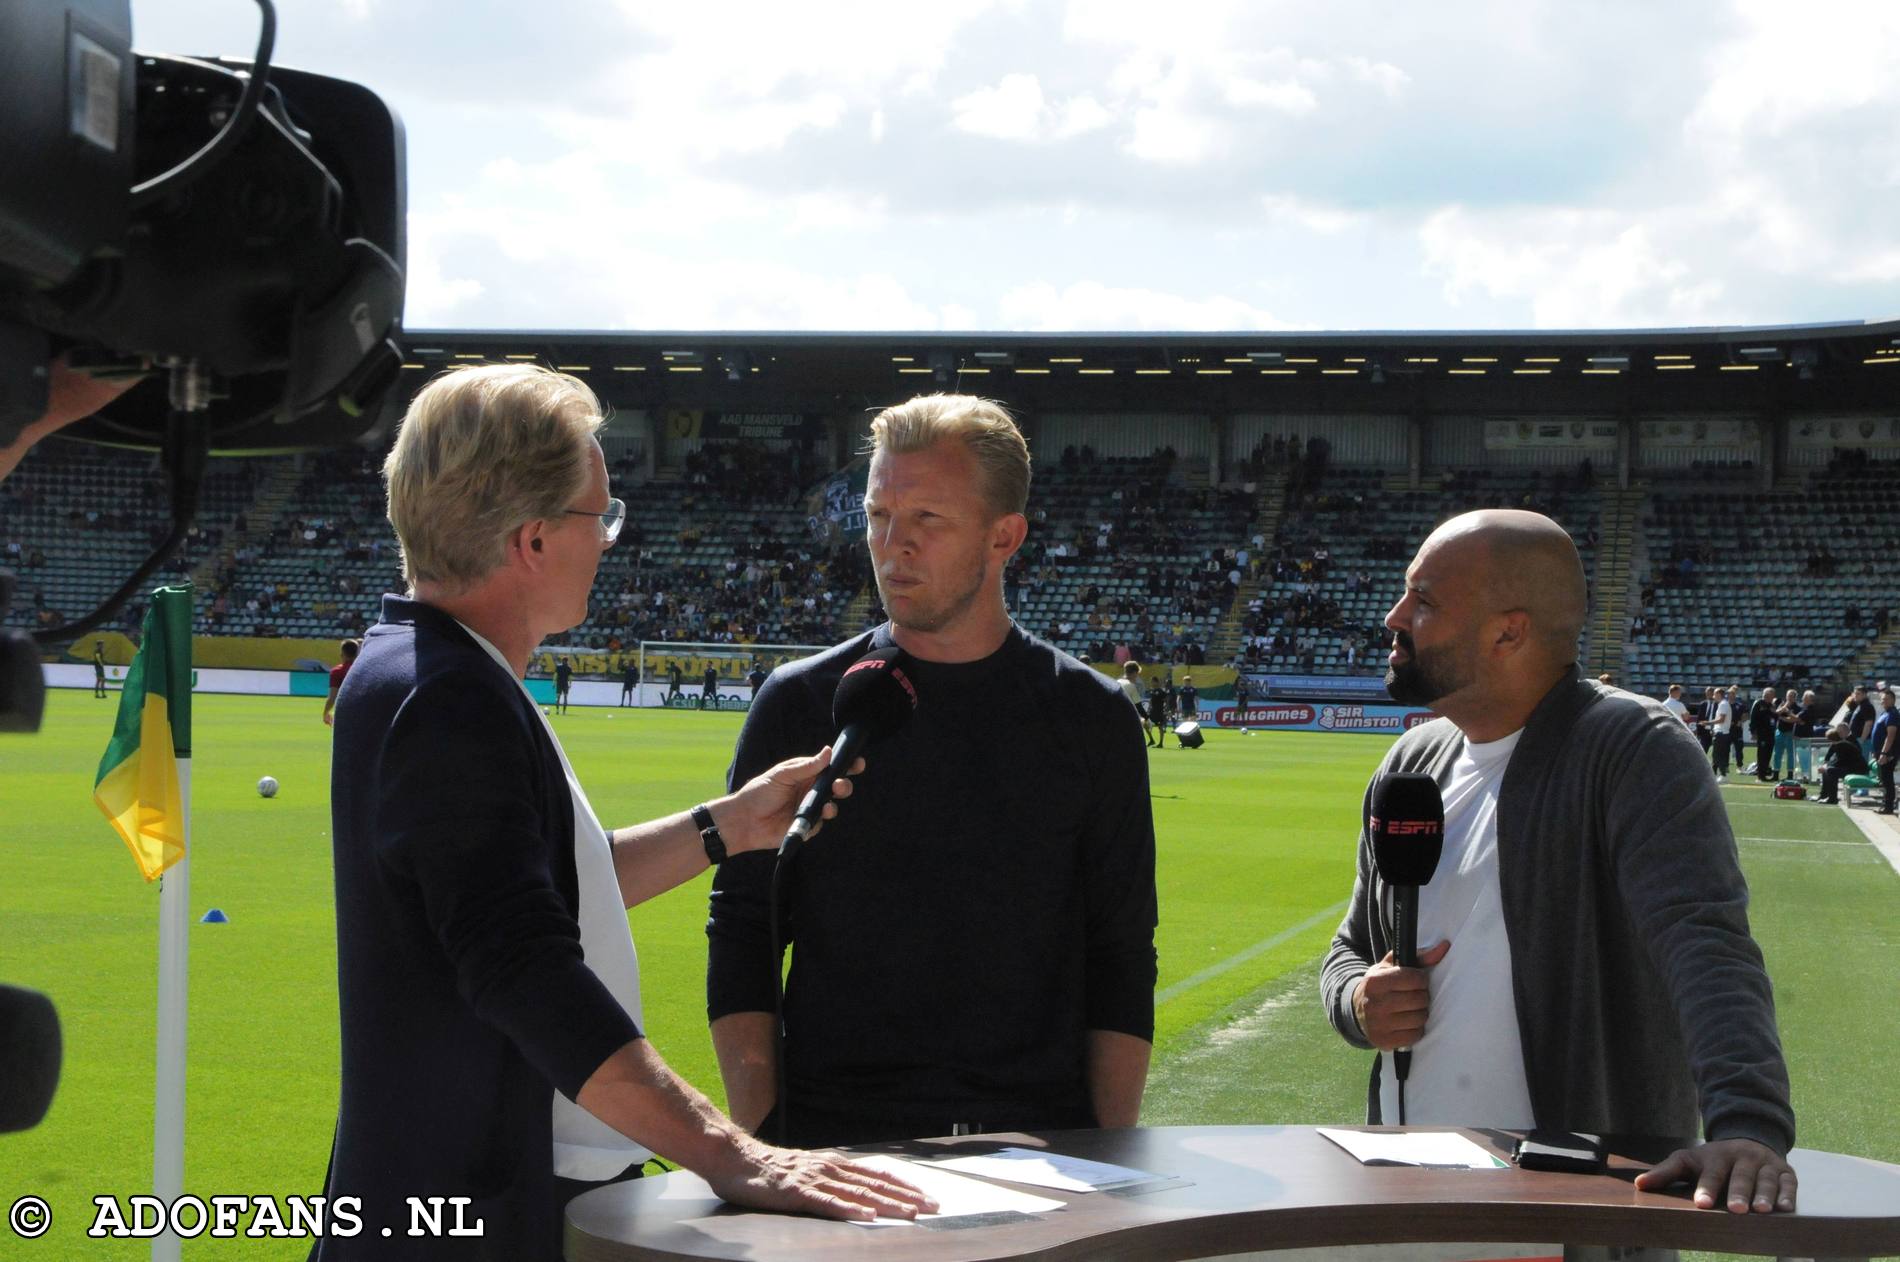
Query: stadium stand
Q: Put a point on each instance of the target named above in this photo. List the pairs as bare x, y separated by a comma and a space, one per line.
76, 520
1124, 554
1707, 576
1344, 541
1739, 584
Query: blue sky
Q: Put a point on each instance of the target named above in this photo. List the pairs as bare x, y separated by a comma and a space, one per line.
1123, 164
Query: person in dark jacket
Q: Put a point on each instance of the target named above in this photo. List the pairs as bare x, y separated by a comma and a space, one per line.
1761, 726
489, 994
1587, 961
1844, 758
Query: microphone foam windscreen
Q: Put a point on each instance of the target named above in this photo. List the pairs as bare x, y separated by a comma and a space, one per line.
29, 1057
876, 692
1408, 828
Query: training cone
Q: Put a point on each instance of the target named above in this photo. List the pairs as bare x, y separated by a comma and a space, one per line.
214, 917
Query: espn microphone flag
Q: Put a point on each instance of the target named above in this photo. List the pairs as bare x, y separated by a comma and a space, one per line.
138, 785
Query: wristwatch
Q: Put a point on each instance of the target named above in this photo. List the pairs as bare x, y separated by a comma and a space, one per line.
709, 834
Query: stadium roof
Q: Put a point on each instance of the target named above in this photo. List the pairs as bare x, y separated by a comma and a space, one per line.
1848, 366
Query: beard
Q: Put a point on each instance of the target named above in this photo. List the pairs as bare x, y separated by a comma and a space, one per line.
936, 615
1422, 679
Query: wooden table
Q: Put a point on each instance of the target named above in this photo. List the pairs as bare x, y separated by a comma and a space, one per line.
1245, 1188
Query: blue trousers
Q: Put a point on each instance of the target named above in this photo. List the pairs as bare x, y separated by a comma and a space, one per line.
1784, 752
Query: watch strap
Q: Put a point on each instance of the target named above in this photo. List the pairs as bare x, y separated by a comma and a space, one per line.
709, 834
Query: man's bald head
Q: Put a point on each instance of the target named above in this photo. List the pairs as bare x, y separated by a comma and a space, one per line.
1523, 560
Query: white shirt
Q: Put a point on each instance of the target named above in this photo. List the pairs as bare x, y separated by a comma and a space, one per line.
1723, 716
1677, 708
585, 1147
1468, 1067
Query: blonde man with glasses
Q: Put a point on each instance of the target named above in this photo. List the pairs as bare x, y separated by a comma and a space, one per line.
490, 993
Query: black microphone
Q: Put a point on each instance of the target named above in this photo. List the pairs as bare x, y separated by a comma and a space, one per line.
29, 1057
1408, 834
874, 700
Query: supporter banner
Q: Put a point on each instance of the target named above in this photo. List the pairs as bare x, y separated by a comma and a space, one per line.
836, 506
1297, 716
1574, 435
1845, 431
1692, 432
754, 426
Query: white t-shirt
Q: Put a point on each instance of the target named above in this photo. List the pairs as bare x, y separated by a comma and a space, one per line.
1468, 1067
1677, 708
1723, 715
585, 1147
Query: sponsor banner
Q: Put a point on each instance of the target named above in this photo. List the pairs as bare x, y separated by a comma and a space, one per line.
1573, 435
1692, 432
1318, 687
1845, 431
1298, 716
748, 426
259, 683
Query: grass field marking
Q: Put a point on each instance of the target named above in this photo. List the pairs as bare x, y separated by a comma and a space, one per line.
1885, 840
1800, 841
1259, 948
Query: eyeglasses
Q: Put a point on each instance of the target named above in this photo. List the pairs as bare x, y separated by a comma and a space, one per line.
610, 521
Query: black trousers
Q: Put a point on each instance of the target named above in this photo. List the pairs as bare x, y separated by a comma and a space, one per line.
1764, 751
1721, 753
1884, 771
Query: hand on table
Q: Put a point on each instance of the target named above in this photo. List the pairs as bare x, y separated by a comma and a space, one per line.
818, 1183
1750, 1175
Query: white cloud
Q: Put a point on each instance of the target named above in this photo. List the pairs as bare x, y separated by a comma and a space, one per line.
1015, 109
1382, 75
1042, 307
1285, 95
1792, 64
1574, 269
1012, 110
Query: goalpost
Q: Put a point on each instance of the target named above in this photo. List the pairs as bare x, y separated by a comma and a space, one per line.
659, 660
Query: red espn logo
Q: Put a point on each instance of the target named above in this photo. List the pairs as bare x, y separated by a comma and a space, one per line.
1406, 827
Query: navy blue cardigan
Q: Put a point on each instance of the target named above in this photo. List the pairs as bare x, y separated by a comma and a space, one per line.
465, 1000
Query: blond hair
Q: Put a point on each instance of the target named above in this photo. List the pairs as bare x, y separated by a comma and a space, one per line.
983, 426
482, 451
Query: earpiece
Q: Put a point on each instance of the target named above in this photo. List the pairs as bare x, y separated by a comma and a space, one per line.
535, 544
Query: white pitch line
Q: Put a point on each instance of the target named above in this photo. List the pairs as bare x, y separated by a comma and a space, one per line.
1885, 840
1259, 948
1801, 841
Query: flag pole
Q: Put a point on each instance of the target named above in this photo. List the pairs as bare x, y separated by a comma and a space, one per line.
144, 789
168, 1114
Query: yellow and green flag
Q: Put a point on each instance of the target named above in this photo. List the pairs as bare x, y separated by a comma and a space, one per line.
138, 785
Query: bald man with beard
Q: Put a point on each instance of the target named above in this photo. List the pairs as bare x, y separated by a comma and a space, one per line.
1590, 966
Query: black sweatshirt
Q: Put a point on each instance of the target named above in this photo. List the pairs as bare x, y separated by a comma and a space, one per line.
985, 897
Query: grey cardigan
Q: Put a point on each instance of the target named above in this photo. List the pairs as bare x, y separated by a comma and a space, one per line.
1640, 994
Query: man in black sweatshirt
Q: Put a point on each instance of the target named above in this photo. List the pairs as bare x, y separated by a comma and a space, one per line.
973, 944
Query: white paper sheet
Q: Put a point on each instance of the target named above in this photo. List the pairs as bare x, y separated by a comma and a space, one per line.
1048, 1170
956, 1196
1440, 1149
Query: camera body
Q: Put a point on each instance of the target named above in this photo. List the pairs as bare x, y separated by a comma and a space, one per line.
236, 225
276, 271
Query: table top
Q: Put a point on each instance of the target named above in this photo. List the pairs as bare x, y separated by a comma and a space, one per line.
1239, 1188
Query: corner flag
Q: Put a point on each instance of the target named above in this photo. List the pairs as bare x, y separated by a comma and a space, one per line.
138, 785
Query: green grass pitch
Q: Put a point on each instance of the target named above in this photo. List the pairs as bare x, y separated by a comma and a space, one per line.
1255, 851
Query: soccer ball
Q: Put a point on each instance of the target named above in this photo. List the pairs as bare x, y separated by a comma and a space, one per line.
267, 787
